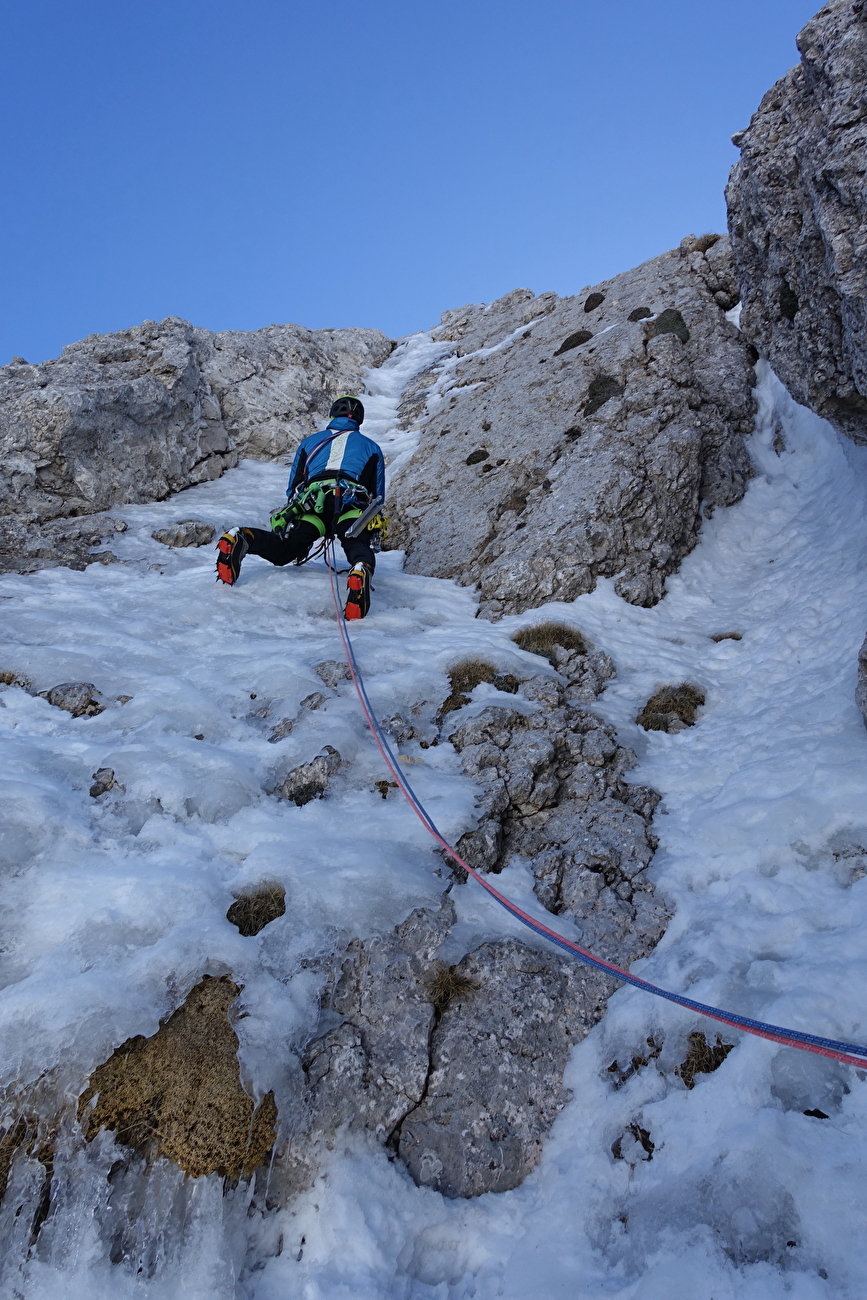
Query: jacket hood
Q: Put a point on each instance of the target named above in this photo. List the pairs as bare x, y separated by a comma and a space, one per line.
344, 424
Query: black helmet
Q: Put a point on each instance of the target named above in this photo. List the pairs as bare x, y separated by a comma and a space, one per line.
349, 407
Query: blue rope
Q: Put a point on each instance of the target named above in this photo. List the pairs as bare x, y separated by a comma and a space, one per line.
849, 1053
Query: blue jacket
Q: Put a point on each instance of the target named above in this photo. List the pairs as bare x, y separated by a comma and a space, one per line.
339, 451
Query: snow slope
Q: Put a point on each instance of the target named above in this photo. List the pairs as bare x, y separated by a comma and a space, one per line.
115, 907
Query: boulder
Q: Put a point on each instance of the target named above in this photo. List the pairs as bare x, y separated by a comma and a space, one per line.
309, 780
81, 699
548, 455
497, 1059
190, 532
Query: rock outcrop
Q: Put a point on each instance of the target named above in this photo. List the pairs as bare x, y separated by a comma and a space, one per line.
579, 437
861, 691
465, 1092
137, 415
552, 792
459, 1069
797, 211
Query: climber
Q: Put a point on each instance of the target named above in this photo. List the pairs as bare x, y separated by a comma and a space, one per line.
336, 476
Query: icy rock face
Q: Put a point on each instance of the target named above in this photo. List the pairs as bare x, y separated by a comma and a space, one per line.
464, 1094
26, 547
465, 1087
552, 790
134, 416
581, 445
497, 1060
861, 691
796, 214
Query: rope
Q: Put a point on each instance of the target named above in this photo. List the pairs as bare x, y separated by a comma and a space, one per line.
848, 1053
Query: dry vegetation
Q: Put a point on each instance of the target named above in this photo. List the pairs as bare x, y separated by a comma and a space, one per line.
253, 910
668, 703
447, 984
468, 674
178, 1094
701, 1058
541, 638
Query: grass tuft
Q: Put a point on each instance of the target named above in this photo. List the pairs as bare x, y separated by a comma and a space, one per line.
253, 910
671, 702
540, 639
701, 1058
466, 676
446, 984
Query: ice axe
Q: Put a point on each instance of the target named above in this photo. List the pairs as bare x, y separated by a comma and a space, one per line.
364, 518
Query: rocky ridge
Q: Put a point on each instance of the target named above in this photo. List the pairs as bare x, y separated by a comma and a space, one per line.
533, 482
552, 791
797, 211
796, 215
138, 415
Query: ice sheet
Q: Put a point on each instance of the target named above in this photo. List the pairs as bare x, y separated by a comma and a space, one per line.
115, 907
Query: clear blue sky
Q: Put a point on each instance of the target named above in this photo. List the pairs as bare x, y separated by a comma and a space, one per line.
356, 162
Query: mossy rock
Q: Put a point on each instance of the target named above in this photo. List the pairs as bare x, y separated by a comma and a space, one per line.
178, 1093
669, 321
601, 390
574, 341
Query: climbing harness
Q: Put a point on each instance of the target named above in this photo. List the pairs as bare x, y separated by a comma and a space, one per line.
848, 1053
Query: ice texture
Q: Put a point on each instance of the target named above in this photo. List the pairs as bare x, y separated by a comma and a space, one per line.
114, 907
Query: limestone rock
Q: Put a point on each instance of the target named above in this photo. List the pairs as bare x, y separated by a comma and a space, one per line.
552, 790
333, 672
138, 415
371, 1070
497, 1058
539, 469
103, 781
310, 780
861, 691
28, 544
190, 532
178, 1094
797, 211
464, 1088
81, 699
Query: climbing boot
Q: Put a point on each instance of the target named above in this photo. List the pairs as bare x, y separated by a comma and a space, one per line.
358, 588
231, 549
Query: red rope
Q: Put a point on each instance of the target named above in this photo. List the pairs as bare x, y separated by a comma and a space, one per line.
790, 1038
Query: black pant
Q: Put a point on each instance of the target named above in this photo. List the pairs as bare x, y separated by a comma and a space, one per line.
300, 538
